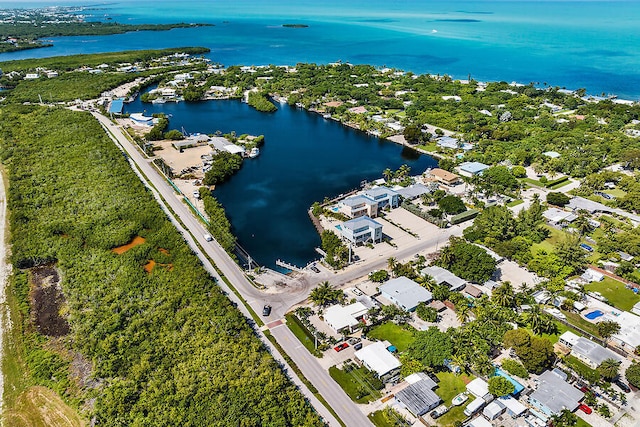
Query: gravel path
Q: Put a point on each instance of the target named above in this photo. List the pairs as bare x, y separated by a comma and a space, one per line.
5, 271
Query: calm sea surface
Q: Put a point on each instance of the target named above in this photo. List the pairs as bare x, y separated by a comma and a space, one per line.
573, 44
305, 159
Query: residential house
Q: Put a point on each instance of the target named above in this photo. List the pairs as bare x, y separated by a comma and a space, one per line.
341, 318
357, 206
361, 230
419, 397
587, 351
493, 410
383, 196
442, 176
376, 358
553, 395
414, 191
443, 276
480, 389
405, 293
470, 169
472, 291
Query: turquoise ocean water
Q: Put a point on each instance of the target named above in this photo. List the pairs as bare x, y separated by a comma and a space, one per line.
573, 44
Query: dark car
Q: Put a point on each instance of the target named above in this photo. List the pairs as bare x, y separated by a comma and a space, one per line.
623, 386
341, 347
315, 269
266, 310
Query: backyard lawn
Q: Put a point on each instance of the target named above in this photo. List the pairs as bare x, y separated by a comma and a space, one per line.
399, 336
555, 236
358, 382
449, 386
582, 423
384, 418
577, 320
616, 292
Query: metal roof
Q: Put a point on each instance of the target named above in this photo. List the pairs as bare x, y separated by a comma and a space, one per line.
377, 358
363, 221
556, 394
419, 397
441, 275
405, 292
473, 167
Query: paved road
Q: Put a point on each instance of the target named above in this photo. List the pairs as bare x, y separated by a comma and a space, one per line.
335, 396
330, 390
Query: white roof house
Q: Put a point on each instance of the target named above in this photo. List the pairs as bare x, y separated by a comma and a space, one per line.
493, 410
379, 360
479, 388
405, 293
555, 216
479, 422
340, 317
586, 350
441, 275
629, 335
514, 408
234, 149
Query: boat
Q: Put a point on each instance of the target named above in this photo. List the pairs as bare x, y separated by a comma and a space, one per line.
254, 152
159, 101
326, 116
459, 399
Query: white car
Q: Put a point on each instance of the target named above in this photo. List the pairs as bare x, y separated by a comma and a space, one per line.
208, 237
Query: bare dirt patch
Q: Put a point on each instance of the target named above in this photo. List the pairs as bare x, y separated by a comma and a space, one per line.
46, 301
132, 244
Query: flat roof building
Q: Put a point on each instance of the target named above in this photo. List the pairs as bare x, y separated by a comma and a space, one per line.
480, 389
361, 230
405, 293
470, 169
116, 106
347, 317
442, 275
376, 358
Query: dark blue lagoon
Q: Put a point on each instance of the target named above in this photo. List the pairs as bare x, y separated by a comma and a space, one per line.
305, 159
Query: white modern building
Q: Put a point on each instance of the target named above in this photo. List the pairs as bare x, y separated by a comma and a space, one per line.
376, 358
405, 293
341, 318
361, 230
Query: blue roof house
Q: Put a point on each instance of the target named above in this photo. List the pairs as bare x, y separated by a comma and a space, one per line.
470, 169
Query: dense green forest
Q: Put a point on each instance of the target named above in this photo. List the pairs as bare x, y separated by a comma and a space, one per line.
165, 346
29, 33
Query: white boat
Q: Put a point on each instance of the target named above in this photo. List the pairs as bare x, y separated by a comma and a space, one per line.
254, 152
326, 116
159, 101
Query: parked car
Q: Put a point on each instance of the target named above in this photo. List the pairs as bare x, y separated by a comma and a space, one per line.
623, 386
586, 247
341, 347
584, 408
357, 292
266, 310
439, 411
315, 269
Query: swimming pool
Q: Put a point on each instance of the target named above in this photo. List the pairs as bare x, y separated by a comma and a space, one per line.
339, 227
517, 387
594, 314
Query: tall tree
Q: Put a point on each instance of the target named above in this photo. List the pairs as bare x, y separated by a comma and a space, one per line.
609, 369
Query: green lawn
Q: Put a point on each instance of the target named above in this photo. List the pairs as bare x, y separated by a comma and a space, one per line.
431, 147
555, 236
582, 423
449, 386
515, 203
358, 383
533, 182
302, 333
559, 185
580, 322
616, 292
617, 193
379, 419
400, 336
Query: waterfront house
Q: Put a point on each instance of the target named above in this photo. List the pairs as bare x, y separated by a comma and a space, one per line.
357, 206
361, 230
470, 169
405, 293
376, 358
444, 276
383, 196
442, 176
553, 395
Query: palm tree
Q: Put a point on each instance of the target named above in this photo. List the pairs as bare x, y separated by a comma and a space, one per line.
609, 368
387, 174
463, 311
324, 294
582, 223
392, 263
504, 295
538, 321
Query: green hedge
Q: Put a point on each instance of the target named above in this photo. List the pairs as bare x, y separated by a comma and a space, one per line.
464, 216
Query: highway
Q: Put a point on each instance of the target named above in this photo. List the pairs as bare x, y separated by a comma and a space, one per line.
193, 232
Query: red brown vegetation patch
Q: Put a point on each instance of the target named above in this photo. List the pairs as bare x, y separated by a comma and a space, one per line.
132, 244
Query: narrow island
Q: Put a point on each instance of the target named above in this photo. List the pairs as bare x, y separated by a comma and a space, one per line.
295, 25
